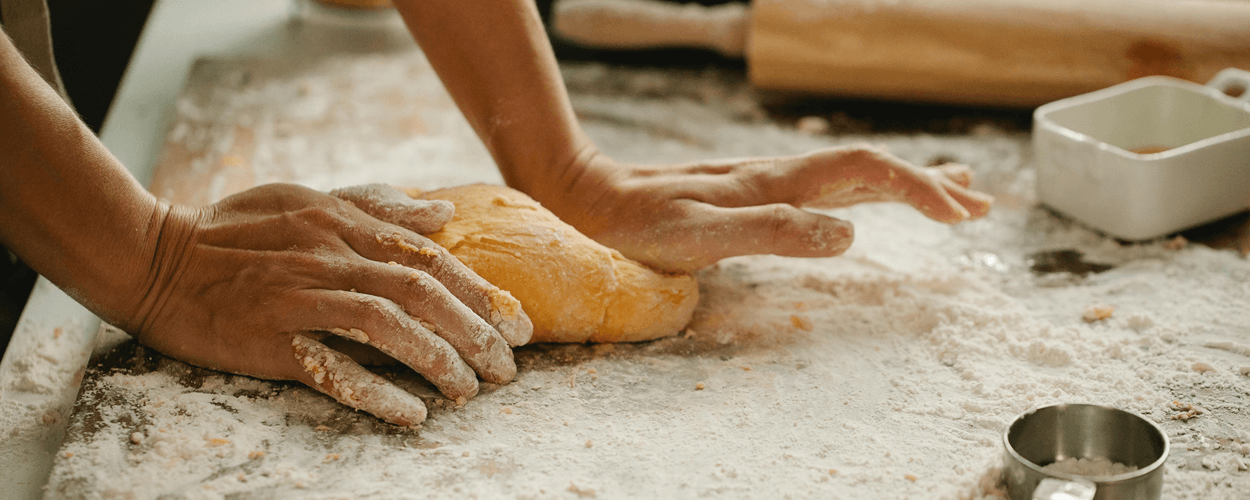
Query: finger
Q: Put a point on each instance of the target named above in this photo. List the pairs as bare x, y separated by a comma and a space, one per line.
977, 204
961, 174
383, 324
875, 169
392, 205
925, 194
499, 308
904, 182
832, 178
339, 377
423, 297
933, 200
712, 233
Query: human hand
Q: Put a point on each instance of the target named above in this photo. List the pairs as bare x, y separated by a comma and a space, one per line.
250, 285
685, 217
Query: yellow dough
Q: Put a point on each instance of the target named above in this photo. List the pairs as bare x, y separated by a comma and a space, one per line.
572, 288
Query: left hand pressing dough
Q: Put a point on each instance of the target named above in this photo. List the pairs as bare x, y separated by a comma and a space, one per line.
572, 288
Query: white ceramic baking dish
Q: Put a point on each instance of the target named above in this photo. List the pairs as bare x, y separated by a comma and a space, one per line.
1147, 157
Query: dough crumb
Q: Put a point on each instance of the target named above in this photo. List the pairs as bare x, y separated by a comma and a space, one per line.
909, 477
1097, 313
321, 428
403, 244
136, 437
589, 443
1177, 243
332, 457
1201, 367
698, 386
218, 442
1245, 370
503, 303
800, 322
256, 455
1187, 410
581, 492
812, 125
354, 334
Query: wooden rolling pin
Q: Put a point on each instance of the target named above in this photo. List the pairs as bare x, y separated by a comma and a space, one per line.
989, 52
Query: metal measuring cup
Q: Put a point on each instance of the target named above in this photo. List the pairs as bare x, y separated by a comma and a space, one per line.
1049, 434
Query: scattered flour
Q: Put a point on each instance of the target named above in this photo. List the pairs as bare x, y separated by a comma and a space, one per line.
1089, 467
889, 372
40, 374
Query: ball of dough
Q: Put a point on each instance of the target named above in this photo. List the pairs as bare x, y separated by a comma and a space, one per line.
572, 288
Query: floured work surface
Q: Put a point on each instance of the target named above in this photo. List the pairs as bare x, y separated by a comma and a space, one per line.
886, 373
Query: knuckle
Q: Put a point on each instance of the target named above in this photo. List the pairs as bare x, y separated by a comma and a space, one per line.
380, 308
781, 223
330, 214
304, 263
421, 280
282, 268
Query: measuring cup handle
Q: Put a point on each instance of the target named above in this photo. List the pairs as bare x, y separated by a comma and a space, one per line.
1233, 82
1059, 489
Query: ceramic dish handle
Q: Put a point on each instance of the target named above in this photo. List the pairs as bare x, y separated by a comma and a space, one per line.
1233, 82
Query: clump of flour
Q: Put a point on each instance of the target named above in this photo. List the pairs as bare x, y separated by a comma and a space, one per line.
1097, 466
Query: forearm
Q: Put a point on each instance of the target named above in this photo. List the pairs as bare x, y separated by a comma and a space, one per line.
495, 60
69, 208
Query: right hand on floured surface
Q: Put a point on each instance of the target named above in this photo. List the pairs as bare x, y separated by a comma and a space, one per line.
685, 217
250, 285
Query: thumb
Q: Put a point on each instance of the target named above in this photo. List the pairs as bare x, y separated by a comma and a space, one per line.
391, 205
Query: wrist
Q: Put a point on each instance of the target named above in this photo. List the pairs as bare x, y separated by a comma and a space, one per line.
552, 182
167, 251
577, 190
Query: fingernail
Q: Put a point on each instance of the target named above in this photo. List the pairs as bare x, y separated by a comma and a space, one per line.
833, 236
963, 213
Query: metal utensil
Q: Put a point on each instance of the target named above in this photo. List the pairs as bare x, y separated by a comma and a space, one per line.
1049, 434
